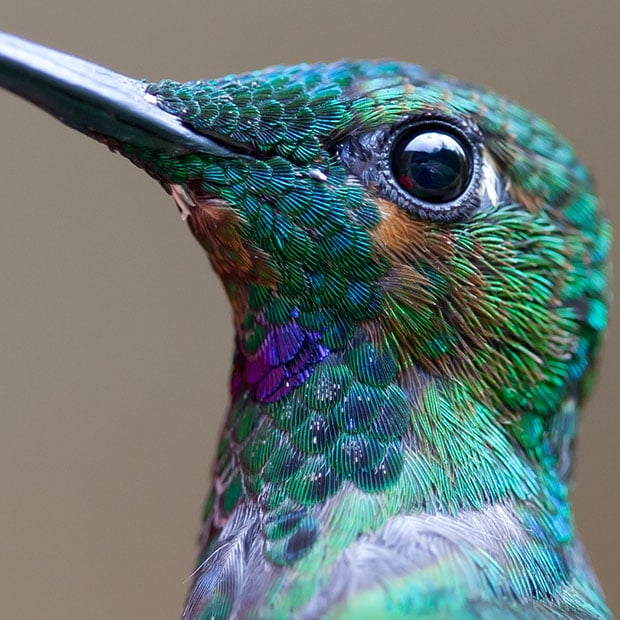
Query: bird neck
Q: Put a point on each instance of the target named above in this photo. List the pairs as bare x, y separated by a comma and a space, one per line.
345, 456
308, 424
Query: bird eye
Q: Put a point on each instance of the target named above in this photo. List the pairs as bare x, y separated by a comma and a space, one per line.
432, 163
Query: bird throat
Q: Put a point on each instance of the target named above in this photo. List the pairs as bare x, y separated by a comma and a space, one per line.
324, 422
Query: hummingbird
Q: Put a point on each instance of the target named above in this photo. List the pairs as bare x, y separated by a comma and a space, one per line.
418, 276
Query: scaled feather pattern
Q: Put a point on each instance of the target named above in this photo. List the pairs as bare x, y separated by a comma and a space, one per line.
405, 390
414, 342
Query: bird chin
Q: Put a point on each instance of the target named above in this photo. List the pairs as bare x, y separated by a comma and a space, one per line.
216, 225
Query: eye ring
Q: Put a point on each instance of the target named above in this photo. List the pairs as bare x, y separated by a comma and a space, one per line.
431, 168
368, 156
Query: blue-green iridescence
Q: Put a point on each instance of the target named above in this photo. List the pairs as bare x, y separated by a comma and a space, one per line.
387, 365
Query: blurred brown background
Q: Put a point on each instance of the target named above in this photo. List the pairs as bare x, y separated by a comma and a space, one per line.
114, 333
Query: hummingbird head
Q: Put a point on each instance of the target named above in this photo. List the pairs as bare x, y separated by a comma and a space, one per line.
449, 228
365, 201
416, 267
417, 270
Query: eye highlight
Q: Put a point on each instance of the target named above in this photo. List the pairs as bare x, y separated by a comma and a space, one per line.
432, 164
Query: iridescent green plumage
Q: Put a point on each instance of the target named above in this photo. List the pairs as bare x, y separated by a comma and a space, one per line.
456, 352
406, 388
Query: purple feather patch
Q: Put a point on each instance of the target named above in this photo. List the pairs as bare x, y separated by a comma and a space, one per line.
285, 359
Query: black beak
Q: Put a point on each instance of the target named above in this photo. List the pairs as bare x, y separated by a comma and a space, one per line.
94, 100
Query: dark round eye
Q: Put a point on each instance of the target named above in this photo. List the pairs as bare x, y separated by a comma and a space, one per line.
432, 163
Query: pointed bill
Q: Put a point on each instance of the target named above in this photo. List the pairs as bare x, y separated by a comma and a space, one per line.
94, 100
